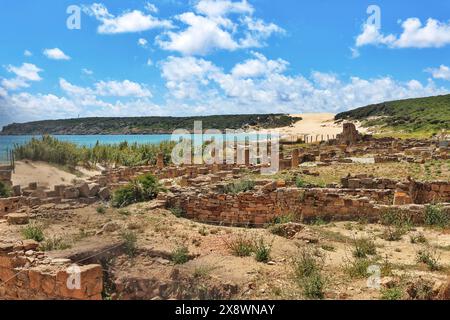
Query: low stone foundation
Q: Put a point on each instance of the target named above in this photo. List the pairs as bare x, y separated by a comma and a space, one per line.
27, 274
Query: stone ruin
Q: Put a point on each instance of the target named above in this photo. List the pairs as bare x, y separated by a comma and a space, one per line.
349, 135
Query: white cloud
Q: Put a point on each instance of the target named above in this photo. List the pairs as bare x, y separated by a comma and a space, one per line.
210, 28
56, 54
87, 71
261, 85
443, 72
27, 53
127, 22
184, 75
150, 7
142, 42
434, 34
260, 66
218, 8
124, 88
201, 37
371, 35
26, 73
149, 62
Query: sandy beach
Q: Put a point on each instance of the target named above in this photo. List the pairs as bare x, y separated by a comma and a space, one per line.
45, 174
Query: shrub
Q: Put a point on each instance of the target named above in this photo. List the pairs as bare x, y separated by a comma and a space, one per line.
34, 232
418, 238
239, 186
308, 273
241, 246
364, 247
436, 216
101, 209
51, 150
393, 234
130, 242
430, 258
395, 293
141, 189
358, 268
180, 255
397, 218
299, 182
287, 218
5, 192
54, 243
177, 212
262, 250
421, 290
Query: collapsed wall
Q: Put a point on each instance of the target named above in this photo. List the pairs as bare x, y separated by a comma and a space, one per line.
28, 274
263, 206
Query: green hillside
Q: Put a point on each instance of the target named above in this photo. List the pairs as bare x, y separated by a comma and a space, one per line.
146, 125
426, 115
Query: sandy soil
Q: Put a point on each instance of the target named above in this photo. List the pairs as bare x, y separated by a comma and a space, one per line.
44, 174
315, 124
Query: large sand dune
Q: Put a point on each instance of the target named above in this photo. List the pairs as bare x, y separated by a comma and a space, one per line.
315, 124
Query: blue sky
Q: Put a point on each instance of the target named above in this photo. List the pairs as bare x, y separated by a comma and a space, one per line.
174, 57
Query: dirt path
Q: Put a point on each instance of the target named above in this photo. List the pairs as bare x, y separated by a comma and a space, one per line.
44, 174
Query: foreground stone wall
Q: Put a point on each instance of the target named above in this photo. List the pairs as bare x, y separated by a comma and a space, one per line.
28, 274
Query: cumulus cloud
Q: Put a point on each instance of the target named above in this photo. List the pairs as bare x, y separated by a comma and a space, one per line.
27, 53
127, 22
262, 85
56, 54
124, 88
443, 72
434, 34
218, 8
210, 27
26, 73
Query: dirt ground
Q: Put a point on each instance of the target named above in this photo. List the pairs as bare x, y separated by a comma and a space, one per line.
159, 234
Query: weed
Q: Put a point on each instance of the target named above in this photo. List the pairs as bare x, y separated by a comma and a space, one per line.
54, 243
101, 209
177, 211
395, 293
180, 255
357, 268
130, 242
393, 234
241, 246
429, 257
435, 215
33, 231
262, 250
239, 186
308, 273
5, 191
418, 238
364, 247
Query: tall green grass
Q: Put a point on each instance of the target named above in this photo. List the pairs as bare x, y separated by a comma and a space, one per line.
52, 150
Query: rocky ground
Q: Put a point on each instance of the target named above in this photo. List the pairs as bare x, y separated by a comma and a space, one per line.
149, 253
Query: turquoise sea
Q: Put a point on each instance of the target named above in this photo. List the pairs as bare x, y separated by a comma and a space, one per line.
8, 142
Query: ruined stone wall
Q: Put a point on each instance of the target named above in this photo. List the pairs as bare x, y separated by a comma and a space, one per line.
262, 207
28, 274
